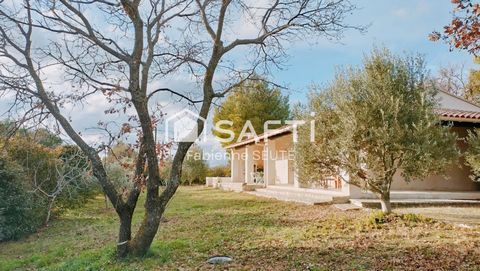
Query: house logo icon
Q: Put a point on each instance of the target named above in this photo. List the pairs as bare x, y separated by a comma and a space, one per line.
183, 126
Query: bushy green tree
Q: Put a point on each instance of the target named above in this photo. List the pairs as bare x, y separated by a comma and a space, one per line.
122, 153
472, 91
45, 137
37, 161
120, 175
373, 122
41, 136
253, 101
119, 164
21, 212
472, 154
194, 169
59, 176
219, 171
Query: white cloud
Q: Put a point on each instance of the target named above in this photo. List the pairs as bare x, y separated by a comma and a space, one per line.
409, 11
401, 13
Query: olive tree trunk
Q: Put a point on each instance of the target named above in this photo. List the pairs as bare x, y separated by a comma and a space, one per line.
385, 202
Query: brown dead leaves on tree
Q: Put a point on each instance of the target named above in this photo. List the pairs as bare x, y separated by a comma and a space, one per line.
464, 30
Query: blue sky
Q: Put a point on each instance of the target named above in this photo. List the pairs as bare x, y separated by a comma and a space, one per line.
400, 25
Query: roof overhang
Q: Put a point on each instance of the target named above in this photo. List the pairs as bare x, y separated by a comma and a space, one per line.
272, 133
458, 115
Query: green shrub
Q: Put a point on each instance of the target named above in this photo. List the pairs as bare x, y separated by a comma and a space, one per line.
194, 168
20, 211
54, 178
119, 176
472, 154
219, 171
415, 218
377, 218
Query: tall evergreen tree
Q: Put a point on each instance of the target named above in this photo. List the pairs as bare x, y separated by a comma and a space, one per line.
254, 101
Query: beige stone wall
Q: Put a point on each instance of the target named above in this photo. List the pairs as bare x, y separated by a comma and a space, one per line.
458, 175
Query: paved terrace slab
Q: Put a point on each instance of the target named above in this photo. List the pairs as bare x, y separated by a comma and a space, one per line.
374, 203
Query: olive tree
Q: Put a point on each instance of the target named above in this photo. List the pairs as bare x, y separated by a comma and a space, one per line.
121, 50
472, 155
194, 167
373, 122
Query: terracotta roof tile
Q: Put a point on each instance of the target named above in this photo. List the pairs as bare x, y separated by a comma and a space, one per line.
449, 114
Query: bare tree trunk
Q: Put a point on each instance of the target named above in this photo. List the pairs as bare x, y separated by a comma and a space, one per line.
154, 212
147, 231
151, 221
49, 212
385, 202
150, 224
125, 233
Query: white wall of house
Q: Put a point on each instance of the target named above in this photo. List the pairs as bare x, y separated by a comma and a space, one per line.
282, 172
270, 168
249, 168
237, 165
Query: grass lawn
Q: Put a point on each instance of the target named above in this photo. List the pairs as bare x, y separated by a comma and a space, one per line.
260, 234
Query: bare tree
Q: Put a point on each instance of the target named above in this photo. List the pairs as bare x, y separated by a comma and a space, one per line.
70, 175
452, 79
118, 48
